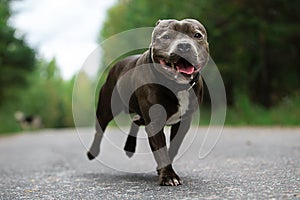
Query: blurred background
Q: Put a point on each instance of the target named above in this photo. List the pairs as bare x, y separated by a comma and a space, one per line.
43, 43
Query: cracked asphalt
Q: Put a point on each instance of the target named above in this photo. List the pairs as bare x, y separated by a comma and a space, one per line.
246, 163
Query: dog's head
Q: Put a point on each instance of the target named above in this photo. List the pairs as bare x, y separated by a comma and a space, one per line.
180, 48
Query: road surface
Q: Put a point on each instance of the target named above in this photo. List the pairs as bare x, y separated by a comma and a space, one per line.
246, 163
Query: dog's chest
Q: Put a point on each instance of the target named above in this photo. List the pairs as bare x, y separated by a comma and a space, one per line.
183, 100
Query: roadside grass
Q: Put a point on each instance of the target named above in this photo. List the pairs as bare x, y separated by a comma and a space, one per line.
243, 113
8, 123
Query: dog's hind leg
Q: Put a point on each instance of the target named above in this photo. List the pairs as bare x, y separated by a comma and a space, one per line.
130, 144
104, 116
131, 140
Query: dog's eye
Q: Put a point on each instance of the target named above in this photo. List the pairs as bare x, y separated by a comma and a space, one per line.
198, 35
166, 37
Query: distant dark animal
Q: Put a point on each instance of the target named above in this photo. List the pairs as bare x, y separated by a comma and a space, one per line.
29, 121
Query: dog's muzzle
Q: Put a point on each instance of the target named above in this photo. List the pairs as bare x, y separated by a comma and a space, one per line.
182, 64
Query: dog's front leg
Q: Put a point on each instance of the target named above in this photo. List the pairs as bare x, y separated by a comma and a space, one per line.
167, 176
157, 140
178, 132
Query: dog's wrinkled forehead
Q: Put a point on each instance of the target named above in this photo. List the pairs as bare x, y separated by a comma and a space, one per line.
184, 26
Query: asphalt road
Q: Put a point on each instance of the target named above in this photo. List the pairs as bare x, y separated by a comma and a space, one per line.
246, 163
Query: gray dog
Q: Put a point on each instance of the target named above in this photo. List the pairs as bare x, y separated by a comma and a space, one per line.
177, 53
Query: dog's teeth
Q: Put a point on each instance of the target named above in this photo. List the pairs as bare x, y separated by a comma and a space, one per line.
172, 65
176, 75
192, 76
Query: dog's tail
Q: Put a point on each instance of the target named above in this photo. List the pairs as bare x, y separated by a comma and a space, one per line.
130, 144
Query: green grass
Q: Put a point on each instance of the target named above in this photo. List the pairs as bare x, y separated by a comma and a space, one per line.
8, 123
243, 113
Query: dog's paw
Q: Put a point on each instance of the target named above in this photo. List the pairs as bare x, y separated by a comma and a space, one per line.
129, 154
90, 156
130, 146
167, 177
94, 151
170, 180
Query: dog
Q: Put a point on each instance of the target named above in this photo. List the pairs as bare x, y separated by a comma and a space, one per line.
28, 121
167, 90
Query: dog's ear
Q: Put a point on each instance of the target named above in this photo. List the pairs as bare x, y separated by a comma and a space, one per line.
153, 33
151, 43
157, 22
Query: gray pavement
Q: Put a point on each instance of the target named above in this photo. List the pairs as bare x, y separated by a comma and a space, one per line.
246, 163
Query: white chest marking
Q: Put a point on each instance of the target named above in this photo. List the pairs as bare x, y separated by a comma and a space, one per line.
183, 99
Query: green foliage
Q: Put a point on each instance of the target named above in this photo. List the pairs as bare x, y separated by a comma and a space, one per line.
47, 96
16, 58
128, 14
83, 108
247, 113
254, 56
27, 85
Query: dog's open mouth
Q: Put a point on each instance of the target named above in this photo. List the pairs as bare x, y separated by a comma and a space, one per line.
181, 66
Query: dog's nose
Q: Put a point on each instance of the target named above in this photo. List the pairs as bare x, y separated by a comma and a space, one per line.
184, 47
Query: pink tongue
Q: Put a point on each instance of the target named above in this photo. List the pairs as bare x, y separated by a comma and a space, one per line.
186, 70
162, 62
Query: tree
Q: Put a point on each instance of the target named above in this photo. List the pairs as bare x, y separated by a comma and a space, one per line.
17, 59
48, 96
